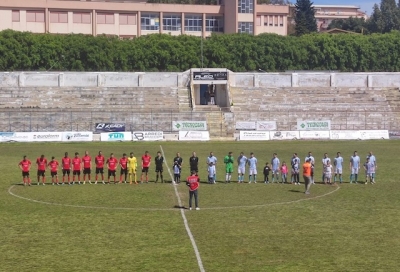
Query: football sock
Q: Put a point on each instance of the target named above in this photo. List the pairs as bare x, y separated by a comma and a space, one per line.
356, 177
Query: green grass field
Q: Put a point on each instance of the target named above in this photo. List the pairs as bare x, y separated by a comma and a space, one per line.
240, 227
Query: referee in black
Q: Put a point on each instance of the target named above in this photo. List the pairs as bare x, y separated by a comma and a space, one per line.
159, 160
194, 163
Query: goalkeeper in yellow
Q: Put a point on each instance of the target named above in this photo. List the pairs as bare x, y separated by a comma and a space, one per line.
132, 166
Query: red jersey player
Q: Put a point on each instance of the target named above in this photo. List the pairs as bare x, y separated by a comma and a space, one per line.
53, 165
99, 161
146, 160
87, 165
25, 166
66, 167
123, 162
112, 164
193, 181
41, 164
76, 168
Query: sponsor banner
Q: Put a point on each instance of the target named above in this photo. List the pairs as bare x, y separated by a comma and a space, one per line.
394, 134
15, 137
284, 135
77, 136
266, 125
148, 136
374, 134
309, 135
254, 135
109, 127
194, 136
46, 136
345, 134
189, 125
313, 125
245, 125
116, 136
210, 76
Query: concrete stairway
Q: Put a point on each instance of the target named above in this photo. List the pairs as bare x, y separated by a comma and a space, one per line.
89, 98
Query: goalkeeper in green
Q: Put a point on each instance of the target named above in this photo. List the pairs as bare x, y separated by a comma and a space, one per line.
228, 160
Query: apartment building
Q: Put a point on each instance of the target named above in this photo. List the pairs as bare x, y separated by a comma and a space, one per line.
325, 14
133, 18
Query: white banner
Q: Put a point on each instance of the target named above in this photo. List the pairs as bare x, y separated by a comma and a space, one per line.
15, 137
148, 135
116, 136
46, 136
308, 135
194, 136
345, 135
266, 125
284, 135
77, 136
189, 125
254, 135
313, 125
245, 125
374, 134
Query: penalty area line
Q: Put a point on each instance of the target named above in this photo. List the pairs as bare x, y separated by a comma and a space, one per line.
185, 222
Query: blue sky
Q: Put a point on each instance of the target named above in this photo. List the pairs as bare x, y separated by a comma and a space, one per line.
365, 5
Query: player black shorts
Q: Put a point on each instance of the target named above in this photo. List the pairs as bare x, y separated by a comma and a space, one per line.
41, 173
76, 172
159, 169
194, 168
25, 174
99, 170
86, 171
111, 173
145, 170
123, 171
66, 172
53, 174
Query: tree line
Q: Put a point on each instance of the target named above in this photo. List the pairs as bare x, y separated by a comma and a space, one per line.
24, 51
384, 18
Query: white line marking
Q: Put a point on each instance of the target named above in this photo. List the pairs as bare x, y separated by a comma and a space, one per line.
272, 204
164, 209
85, 207
189, 232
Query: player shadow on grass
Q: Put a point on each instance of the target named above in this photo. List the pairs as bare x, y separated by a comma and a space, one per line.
295, 191
180, 207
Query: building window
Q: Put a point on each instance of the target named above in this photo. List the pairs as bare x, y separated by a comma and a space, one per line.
58, 17
35, 16
271, 20
245, 27
193, 23
172, 22
15, 16
258, 21
127, 19
214, 24
280, 20
245, 6
105, 18
82, 18
150, 21
276, 20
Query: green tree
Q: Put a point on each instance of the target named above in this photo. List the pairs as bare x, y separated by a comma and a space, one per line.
304, 17
385, 17
354, 24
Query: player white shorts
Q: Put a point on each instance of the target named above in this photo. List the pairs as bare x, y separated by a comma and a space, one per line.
328, 175
354, 171
275, 171
252, 171
338, 171
241, 170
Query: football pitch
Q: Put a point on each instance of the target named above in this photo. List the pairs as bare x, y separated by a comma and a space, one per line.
240, 227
